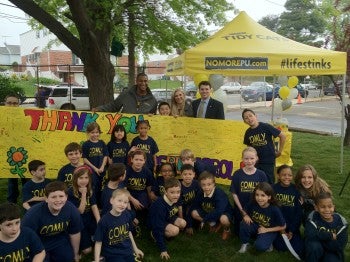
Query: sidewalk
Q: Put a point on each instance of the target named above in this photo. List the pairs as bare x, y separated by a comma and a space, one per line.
267, 104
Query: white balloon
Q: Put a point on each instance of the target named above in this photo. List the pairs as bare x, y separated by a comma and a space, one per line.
277, 103
293, 93
222, 97
286, 104
216, 81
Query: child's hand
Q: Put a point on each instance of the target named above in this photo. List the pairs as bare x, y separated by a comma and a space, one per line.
262, 230
164, 255
289, 235
139, 253
100, 170
202, 225
83, 190
137, 205
334, 235
247, 219
133, 148
189, 231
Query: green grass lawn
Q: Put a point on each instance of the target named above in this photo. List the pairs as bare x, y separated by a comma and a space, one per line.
323, 152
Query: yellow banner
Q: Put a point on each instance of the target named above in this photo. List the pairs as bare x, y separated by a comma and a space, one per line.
29, 133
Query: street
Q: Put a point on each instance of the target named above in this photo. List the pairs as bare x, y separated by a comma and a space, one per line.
321, 114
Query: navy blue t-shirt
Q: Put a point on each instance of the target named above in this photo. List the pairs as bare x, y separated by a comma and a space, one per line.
188, 194
289, 203
65, 174
261, 138
243, 185
31, 189
95, 152
270, 216
87, 216
53, 230
23, 248
113, 232
137, 183
118, 152
160, 215
149, 146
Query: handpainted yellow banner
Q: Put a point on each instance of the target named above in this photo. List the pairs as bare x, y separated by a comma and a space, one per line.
30, 133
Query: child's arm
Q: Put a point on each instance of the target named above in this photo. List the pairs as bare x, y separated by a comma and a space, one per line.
87, 162
39, 257
262, 230
26, 205
104, 162
96, 212
98, 247
181, 212
138, 252
75, 242
83, 200
283, 138
238, 204
137, 205
155, 163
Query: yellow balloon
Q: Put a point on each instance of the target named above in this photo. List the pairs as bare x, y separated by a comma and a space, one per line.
284, 92
199, 78
293, 81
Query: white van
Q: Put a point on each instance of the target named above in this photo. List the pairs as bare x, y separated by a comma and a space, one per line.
69, 98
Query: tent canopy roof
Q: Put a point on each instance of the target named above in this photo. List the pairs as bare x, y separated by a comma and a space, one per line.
244, 47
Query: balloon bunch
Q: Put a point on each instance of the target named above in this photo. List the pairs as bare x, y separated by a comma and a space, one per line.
286, 94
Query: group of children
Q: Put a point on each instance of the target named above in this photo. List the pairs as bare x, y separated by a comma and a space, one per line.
104, 201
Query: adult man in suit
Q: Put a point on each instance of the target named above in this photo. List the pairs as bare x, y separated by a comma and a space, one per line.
207, 107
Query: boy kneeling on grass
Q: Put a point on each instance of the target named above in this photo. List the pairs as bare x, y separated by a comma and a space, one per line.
326, 232
212, 206
163, 219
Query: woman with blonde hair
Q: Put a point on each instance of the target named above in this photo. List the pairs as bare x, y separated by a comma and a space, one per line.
179, 105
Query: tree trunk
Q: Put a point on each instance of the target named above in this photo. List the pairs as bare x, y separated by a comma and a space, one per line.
131, 49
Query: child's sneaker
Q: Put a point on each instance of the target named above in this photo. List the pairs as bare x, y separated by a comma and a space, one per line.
270, 249
243, 248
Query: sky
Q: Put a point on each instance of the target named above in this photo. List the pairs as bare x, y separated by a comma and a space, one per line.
13, 23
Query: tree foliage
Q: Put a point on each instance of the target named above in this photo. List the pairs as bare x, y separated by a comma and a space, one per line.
9, 87
87, 28
303, 21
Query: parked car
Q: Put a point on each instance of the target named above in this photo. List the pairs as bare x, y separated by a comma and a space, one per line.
231, 87
162, 95
330, 90
259, 91
69, 98
302, 91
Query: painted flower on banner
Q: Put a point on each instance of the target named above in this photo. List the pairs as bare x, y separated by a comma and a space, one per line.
17, 157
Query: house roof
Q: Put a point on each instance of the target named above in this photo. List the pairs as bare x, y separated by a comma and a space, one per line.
10, 50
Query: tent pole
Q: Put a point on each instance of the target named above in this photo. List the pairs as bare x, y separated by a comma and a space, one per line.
342, 126
273, 98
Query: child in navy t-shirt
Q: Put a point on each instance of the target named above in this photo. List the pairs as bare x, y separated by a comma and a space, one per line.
57, 222
17, 243
113, 236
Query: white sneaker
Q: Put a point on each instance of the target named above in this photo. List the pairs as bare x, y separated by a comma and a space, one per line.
243, 248
270, 249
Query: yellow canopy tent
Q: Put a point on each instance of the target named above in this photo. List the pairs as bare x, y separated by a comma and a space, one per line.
244, 47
